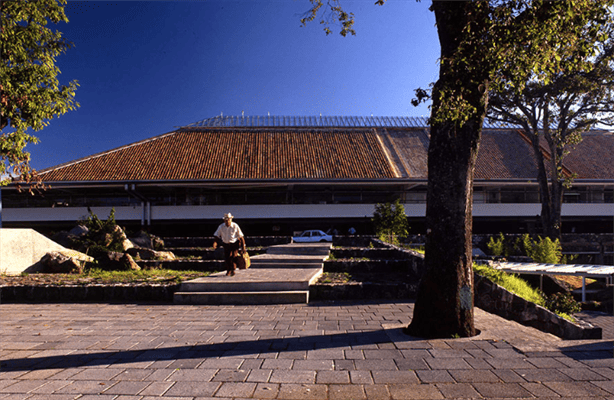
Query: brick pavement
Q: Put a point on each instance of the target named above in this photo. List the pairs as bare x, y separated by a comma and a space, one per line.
327, 350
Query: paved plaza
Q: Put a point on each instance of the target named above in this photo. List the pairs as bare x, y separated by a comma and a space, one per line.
326, 350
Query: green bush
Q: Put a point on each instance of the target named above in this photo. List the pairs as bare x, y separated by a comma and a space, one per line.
562, 303
497, 247
543, 250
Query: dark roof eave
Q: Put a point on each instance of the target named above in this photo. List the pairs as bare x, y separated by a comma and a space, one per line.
217, 182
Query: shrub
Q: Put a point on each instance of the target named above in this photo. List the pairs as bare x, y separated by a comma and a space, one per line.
542, 250
497, 247
562, 303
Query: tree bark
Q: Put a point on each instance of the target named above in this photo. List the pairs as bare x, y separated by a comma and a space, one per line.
444, 305
546, 198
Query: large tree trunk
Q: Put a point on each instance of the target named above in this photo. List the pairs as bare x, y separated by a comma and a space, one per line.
551, 188
548, 214
444, 305
556, 188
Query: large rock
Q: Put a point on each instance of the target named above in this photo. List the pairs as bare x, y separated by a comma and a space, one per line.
114, 261
64, 261
65, 239
149, 254
126, 243
79, 231
142, 239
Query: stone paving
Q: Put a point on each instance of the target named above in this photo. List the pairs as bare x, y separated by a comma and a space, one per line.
324, 350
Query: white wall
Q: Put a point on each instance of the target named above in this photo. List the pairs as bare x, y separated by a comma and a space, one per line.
279, 211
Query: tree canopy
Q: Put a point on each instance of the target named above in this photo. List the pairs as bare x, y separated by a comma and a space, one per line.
554, 114
30, 92
485, 45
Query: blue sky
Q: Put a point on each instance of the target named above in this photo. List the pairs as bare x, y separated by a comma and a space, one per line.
146, 67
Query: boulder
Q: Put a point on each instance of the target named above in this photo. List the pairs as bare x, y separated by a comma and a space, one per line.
126, 243
117, 236
68, 261
149, 254
157, 243
64, 239
114, 261
142, 239
79, 231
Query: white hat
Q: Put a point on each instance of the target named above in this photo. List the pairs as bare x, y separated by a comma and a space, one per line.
228, 216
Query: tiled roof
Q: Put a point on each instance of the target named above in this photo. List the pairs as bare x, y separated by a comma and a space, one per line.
210, 154
504, 154
297, 153
593, 158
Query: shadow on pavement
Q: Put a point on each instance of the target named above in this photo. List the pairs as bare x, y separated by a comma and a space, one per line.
225, 349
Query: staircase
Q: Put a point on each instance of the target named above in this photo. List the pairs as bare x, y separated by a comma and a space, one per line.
282, 275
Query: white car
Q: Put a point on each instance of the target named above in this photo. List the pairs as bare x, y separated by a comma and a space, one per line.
312, 236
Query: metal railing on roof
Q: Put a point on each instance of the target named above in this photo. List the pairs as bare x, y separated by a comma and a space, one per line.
320, 121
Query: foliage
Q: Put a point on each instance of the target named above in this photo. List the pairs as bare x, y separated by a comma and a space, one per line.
95, 224
95, 275
102, 236
496, 247
542, 250
335, 277
512, 283
30, 92
555, 113
485, 45
390, 221
562, 303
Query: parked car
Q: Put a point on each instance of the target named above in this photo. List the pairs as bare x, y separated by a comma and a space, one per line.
312, 236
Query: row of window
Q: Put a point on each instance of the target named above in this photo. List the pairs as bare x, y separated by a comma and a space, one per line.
196, 196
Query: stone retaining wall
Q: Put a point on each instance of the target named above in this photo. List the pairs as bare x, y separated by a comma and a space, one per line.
496, 300
362, 291
88, 293
207, 241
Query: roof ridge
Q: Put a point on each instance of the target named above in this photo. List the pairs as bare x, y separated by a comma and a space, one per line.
265, 121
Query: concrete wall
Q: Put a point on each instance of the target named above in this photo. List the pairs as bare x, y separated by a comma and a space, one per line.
22, 248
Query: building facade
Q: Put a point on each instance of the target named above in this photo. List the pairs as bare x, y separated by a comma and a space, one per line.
278, 175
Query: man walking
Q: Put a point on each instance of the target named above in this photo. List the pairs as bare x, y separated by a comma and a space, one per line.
230, 236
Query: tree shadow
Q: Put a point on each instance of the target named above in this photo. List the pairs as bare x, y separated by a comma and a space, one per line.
590, 351
210, 350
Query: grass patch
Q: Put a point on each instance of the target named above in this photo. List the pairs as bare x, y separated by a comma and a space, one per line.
99, 276
518, 286
417, 249
335, 277
512, 283
144, 275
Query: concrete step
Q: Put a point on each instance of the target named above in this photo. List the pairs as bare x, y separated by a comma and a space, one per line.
243, 298
314, 249
229, 284
282, 275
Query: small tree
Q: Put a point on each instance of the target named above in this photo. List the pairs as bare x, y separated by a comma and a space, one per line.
102, 236
390, 221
